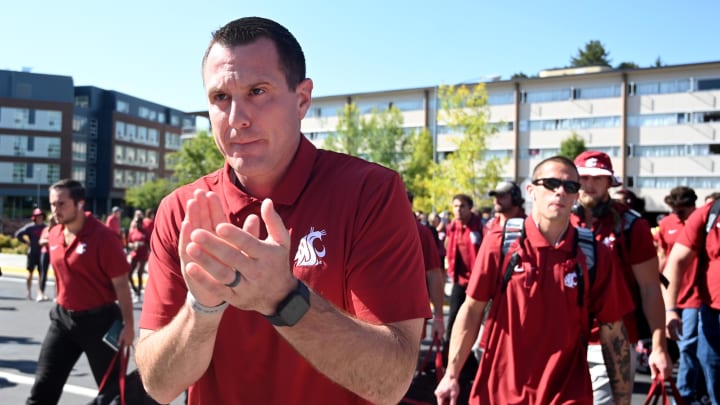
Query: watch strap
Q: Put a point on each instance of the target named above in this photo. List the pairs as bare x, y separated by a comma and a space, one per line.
278, 319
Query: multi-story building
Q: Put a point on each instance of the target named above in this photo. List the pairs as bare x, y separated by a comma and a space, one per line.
35, 131
120, 141
50, 129
659, 125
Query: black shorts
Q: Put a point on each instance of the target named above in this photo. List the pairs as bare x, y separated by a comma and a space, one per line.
33, 262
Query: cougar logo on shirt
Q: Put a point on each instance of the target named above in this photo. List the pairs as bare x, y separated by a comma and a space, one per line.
308, 254
571, 280
82, 248
609, 241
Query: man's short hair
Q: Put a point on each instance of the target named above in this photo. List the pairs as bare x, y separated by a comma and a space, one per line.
464, 198
681, 196
76, 189
247, 30
557, 159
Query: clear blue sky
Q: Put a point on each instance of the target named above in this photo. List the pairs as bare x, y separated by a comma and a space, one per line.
152, 49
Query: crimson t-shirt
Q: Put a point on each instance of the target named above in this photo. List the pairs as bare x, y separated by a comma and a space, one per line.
692, 237
353, 241
670, 229
536, 331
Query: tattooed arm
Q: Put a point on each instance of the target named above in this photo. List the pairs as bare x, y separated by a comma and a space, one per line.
616, 352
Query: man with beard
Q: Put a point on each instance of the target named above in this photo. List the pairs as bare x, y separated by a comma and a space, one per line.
90, 274
508, 203
629, 237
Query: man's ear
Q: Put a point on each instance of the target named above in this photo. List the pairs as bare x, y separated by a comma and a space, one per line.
304, 97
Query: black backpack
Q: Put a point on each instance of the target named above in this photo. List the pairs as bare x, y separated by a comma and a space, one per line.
514, 229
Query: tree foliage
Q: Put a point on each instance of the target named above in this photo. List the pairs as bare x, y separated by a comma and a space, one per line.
149, 194
466, 170
418, 170
378, 136
196, 157
628, 65
348, 137
385, 139
594, 54
572, 146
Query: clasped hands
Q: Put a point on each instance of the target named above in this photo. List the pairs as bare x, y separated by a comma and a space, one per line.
211, 250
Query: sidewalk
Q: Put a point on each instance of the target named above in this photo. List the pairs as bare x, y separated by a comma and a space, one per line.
13, 265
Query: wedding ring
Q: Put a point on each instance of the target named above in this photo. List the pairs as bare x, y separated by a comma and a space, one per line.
236, 281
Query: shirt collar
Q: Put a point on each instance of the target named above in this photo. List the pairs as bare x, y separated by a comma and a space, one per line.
288, 189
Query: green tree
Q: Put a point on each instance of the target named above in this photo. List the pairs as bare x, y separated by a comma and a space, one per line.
385, 139
519, 75
348, 133
418, 170
572, 146
196, 157
149, 194
466, 170
594, 54
658, 62
628, 65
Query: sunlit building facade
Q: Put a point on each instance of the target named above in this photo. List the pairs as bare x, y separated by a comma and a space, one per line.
659, 125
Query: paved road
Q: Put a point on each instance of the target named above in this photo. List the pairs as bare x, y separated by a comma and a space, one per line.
22, 327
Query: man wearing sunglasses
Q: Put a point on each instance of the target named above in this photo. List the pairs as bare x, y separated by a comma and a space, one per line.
537, 328
632, 242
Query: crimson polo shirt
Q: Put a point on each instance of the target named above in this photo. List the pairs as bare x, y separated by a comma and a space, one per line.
353, 241
535, 332
670, 229
84, 270
692, 237
638, 249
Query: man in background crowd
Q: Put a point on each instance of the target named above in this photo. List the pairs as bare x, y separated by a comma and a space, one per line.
629, 237
507, 203
30, 234
690, 381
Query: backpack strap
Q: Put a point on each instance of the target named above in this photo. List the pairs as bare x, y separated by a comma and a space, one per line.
712, 216
585, 240
513, 230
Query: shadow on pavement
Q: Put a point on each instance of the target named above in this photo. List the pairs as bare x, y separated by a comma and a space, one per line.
4, 383
24, 366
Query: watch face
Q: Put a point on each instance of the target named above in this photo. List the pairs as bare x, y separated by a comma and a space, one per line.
294, 310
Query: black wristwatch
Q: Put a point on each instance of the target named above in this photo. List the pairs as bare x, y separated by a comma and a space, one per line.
292, 308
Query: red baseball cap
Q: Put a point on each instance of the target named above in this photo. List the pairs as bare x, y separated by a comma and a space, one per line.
37, 212
595, 163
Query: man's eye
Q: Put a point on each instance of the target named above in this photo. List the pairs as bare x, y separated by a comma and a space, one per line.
220, 97
257, 92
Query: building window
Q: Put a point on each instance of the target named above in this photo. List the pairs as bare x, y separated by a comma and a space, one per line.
123, 107
82, 101
120, 128
546, 96
501, 98
708, 84
153, 137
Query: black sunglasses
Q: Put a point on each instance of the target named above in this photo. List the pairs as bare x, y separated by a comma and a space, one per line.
552, 184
